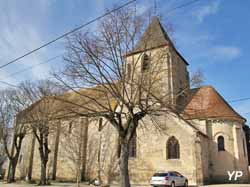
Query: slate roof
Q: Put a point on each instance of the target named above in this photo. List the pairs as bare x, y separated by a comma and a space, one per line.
154, 36
205, 102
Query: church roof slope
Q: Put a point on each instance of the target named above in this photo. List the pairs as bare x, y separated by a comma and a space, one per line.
70, 104
206, 102
155, 36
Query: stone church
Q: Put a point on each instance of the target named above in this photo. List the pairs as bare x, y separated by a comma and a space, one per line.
203, 142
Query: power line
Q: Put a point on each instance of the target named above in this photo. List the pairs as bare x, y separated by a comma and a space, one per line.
8, 84
86, 24
238, 100
26, 69
80, 27
70, 32
181, 6
48, 43
66, 34
31, 67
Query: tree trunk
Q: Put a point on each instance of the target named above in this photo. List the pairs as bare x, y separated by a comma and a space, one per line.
12, 171
31, 158
124, 173
43, 178
84, 150
13, 162
11, 175
44, 153
57, 141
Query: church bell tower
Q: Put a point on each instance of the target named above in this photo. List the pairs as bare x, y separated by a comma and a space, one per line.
150, 49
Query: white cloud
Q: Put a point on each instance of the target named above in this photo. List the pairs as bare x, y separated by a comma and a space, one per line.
202, 12
225, 52
207, 45
20, 35
19, 41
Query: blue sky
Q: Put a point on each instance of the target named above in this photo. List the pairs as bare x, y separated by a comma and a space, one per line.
212, 35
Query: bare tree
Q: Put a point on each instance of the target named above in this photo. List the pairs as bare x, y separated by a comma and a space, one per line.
111, 84
40, 116
197, 78
11, 103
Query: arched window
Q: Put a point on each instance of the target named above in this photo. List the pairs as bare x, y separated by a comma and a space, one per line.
100, 124
145, 63
173, 148
132, 147
220, 141
70, 127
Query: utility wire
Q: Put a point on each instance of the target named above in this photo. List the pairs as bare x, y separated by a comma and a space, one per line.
78, 28
26, 69
86, 24
31, 67
72, 31
67, 33
181, 6
238, 100
8, 84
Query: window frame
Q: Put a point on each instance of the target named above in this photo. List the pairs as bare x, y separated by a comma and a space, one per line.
221, 143
145, 63
172, 149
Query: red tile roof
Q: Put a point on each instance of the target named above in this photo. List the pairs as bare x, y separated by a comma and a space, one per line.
206, 102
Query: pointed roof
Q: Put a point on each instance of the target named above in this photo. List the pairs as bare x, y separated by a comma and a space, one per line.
206, 102
155, 36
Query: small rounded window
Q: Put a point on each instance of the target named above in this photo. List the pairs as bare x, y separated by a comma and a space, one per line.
145, 63
221, 143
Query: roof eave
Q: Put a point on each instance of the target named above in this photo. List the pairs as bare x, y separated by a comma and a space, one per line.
239, 119
152, 48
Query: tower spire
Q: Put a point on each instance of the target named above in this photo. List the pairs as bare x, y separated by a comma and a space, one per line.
155, 8
153, 37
